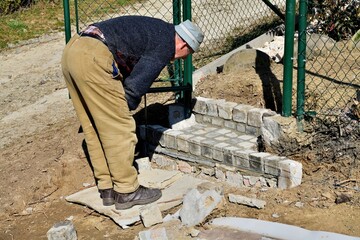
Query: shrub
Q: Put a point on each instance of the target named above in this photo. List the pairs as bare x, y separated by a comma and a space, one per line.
10, 6
339, 19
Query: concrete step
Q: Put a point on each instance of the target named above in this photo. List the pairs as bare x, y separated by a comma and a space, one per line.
216, 146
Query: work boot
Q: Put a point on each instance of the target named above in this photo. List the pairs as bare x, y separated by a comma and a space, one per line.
141, 196
107, 196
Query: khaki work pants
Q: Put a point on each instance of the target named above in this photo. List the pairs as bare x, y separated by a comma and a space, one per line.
100, 104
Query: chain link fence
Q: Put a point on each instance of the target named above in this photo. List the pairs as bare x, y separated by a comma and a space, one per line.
333, 60
227, 24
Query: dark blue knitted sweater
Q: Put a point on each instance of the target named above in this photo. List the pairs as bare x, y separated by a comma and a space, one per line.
142, 47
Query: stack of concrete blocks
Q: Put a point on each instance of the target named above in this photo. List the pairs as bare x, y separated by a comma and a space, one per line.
226, 134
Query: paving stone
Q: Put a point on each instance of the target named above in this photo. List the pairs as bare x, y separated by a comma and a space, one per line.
271, 165
241, 158
256, 161
230, 124
195, 145
218, 152
217, 121
240, 113
225, 109
183, 142
200, 105
207, 148
170, 138
150, 214
241, 127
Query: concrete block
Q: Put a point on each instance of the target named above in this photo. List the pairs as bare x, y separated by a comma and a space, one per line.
218, 151
150, 214
207, 148
212, 107
271, 129
251, 202
170, 138
234, 179
225, 109
195, 145
153, 234
271, 165
197, 206
228, 154
240, 113
217, 121
62, 231
200, 105
207, 119
252, 130
241, 127
230, 124
255, 115
290, 174
241, 158
256, 161
183, 142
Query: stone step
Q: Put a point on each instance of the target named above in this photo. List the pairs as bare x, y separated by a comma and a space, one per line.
211, 145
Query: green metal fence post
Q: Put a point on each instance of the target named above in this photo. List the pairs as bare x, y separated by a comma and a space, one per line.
176, 71
188, 68
301, 61
66, 6
288, 57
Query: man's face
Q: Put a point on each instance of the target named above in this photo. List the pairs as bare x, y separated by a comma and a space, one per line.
182, 49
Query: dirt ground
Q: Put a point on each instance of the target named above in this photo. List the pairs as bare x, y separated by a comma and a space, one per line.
42, 160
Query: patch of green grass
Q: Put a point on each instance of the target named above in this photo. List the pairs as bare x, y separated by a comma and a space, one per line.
47, 16
42, 17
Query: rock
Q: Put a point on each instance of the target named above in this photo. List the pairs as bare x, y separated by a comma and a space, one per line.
197, 206
150, 215
143, 163
62, 231
251, 202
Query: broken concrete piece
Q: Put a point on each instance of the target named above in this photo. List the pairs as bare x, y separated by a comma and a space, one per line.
196, 206
171, 196
252, 202
153, 234
143, 163
62, 231
150, 215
